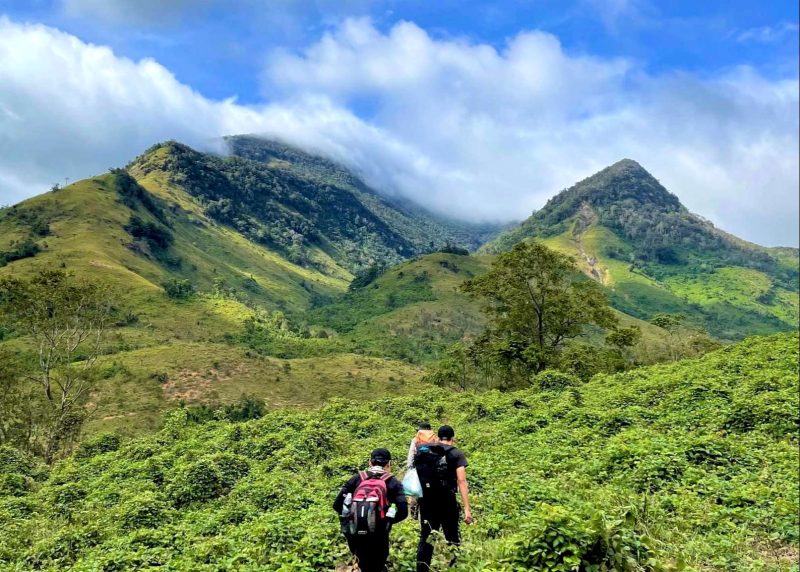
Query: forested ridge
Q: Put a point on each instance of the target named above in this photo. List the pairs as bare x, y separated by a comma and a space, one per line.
286, 199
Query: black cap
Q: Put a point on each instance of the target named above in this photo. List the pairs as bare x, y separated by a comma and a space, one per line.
380, 456
446, 432
424, 425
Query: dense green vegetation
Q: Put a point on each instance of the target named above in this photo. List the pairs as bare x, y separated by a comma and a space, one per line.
689, 466
425, 230
632, 235
412, 311
291, 201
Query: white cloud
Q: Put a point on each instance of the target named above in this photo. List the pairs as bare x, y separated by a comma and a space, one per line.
501, 131
461, 127
768, 34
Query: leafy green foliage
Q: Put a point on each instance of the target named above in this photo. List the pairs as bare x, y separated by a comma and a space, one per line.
156, 236
178, 289
535, 306
625, 472
554, 380
25, 249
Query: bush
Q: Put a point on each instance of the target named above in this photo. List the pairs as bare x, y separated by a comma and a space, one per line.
15, 461
157, 237
198, 481
102, 443
557, 539
146, 510
25, 249
178, 289
554, 380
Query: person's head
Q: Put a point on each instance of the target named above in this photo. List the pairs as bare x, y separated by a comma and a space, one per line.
424, 426
446, 434
380, 458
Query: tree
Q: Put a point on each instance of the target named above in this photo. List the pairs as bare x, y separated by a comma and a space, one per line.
455, 369
65, 320
536, 303
684, 338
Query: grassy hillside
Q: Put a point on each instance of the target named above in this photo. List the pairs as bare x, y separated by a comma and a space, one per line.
416, 309
412, 311
690, 466
629, 233
163, 344
298, 204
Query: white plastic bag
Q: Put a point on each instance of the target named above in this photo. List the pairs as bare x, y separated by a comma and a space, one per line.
411, 484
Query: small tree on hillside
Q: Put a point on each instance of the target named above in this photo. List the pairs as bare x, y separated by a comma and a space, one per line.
65, 320
536, 303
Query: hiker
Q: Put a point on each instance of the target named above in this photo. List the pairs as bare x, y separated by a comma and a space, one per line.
368, 505
442, 470
423, 436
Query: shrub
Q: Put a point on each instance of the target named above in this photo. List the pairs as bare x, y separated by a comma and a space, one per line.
15, 461
25, 249
178, 289
156, 236
146, 510
198, 481
554, 380
557, 539
102, 443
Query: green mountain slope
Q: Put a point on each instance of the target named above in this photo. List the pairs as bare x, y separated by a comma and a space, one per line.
416, 309
412, 311
690, 466
628, 232
164, 351
298, 204
420, 227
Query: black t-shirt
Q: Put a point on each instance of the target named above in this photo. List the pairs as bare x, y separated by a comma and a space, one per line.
455, 459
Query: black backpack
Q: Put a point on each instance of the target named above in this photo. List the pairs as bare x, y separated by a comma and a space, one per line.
433, 469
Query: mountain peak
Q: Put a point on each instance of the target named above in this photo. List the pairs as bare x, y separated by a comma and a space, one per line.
627, 165
625, 183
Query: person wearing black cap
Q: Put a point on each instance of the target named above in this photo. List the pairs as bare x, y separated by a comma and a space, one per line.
371, 549
442, 472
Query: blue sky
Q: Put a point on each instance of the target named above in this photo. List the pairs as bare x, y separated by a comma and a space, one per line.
218, 47
538, 94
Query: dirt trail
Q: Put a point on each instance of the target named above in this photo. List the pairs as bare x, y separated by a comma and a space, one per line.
586, 218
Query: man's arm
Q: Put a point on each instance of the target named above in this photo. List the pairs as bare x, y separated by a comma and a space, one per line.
398, 498
412, 449
348, 487
463, 489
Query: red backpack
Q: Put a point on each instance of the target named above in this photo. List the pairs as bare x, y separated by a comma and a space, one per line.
370, 503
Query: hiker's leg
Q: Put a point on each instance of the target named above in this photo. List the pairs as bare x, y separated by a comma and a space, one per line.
424, 548
373, 553
451, 518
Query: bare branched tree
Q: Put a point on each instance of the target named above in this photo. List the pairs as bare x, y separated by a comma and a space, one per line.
65, 320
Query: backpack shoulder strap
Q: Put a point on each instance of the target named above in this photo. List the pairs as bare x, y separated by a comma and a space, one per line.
363, 475
386, 476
